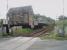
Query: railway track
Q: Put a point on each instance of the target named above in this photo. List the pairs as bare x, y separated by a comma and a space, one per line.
39, 32
34, 34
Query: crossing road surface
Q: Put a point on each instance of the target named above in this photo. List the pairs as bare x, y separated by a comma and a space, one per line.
25, 43
17, 43
49, 45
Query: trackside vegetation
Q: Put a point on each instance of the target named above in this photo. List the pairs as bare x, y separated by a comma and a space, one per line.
59, 24
54, 36
22, 32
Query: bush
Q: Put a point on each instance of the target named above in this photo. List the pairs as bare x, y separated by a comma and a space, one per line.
54, 36
23, 32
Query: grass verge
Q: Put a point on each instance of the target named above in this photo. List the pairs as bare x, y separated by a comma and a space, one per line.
53, 36
23, 32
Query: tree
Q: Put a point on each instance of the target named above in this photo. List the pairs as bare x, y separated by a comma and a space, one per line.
62, 22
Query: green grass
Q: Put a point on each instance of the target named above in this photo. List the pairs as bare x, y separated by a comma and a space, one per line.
19, 32
23, 32
53, 36
3, 34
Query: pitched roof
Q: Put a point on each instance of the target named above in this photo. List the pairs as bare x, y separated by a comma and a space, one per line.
16, 10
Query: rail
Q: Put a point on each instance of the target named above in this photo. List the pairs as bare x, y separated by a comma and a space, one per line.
37, 34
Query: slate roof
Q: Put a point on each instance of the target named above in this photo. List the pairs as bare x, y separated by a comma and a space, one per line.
20, 10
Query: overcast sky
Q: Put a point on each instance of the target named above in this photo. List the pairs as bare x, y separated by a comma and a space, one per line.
50, 8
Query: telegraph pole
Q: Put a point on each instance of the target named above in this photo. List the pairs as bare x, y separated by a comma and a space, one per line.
7, 19
63, 32
7, 4
63, 9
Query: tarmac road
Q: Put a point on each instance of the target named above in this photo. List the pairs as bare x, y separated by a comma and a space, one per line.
49, 45
16, 43
19, 43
